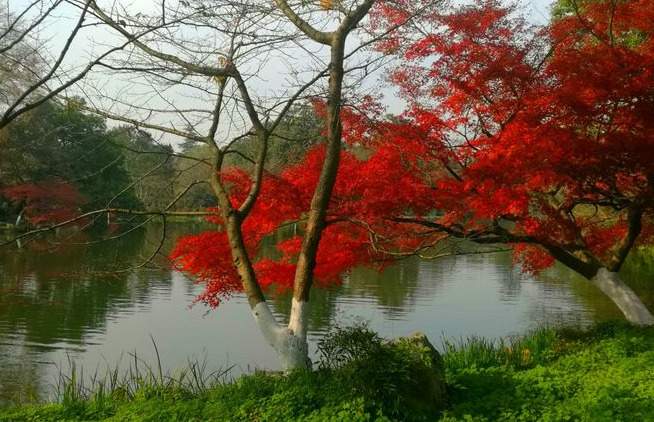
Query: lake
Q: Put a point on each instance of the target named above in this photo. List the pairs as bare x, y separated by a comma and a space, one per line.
72, 299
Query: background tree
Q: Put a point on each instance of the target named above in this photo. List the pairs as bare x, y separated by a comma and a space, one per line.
81, 154
47, 202
150, 167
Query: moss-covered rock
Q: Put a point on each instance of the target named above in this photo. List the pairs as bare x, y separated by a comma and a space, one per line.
427, 386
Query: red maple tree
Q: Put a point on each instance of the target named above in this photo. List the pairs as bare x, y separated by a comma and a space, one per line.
346, 238
46, 202
539, 137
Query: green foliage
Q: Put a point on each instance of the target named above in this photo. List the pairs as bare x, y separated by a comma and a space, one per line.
343, 346
53, 142
601, 374
360, 378
523, 352
360, 364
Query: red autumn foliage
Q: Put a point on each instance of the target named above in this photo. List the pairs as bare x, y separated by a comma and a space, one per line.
538, 137
543, 127
47, 202
284, 199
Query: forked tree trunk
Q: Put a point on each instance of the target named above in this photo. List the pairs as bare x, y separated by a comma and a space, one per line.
623, 296
290, 342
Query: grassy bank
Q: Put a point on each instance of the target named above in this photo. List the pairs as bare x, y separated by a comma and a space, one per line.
603, 374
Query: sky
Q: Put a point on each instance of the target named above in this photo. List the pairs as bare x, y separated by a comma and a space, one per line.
539, 9
271, 78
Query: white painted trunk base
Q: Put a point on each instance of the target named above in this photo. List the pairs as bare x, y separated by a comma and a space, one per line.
299, 318
19, 219
292, 349
622, 295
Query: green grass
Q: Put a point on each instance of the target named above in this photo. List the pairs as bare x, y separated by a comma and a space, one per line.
602, 374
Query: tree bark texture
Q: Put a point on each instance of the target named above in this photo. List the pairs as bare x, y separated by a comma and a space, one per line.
623, 296
292, 348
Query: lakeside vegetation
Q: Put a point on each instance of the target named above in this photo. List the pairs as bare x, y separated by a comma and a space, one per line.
604, 373
463, 160
534, 136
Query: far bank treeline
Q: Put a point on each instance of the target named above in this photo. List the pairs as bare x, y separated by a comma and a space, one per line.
58, 161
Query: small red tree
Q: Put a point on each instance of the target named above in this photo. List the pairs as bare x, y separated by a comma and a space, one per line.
230, 265
45, 203
346, 239
539, 137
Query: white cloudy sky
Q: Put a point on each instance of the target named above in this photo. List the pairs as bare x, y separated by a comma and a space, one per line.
87, 45
540, 8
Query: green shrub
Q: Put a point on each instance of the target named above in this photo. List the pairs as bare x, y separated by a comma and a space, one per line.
358, 364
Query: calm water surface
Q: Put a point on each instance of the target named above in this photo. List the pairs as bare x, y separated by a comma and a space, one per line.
80, 303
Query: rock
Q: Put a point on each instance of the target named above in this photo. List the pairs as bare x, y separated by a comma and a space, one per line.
428, 389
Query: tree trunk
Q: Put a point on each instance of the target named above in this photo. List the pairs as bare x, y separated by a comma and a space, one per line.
290, 345
607, 280
290, 342
629, 303
19, 219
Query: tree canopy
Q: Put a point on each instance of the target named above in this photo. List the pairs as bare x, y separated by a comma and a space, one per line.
540, 138
547, 134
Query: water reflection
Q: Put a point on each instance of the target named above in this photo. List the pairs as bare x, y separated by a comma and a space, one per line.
321, 313
61, 298
81, 302
58, 297
393, 291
